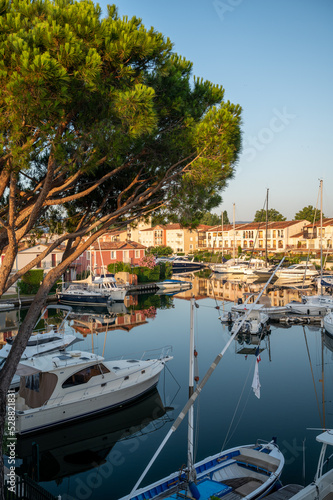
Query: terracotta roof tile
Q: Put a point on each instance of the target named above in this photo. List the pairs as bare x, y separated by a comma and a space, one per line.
118, 245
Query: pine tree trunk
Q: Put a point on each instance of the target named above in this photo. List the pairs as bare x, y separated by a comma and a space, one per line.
3, 394
9, 368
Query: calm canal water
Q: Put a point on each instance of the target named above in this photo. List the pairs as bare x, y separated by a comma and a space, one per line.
103, 458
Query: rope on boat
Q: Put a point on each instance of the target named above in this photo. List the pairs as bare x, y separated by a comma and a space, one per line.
199, 388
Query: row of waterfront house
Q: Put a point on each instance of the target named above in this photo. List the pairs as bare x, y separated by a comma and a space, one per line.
129, 246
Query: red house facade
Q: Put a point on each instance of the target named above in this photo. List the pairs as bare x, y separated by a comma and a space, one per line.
104, 253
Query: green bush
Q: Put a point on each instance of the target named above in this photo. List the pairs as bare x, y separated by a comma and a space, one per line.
161, 250
165, 270
146, 275
30, 282
119, 267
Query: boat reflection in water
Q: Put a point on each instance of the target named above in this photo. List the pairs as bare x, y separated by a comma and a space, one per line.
77, 448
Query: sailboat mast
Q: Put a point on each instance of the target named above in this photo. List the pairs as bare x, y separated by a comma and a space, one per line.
234, 232
266, 228
200, 386
321, 237
222, 235
190, 433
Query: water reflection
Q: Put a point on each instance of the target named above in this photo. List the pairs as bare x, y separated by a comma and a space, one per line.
139, 308
9, 324
76, 448
291, 375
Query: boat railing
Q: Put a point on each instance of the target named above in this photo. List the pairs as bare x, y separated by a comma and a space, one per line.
158, 353
95, 389
57, 329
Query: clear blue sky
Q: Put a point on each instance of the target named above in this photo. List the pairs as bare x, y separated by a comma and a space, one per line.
274, 58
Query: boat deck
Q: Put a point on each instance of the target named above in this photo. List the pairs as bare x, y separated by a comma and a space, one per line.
287, 492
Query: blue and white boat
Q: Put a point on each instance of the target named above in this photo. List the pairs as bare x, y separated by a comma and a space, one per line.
76, 294
326, 281
182, 264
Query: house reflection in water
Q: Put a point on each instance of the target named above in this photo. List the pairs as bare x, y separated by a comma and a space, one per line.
9, 324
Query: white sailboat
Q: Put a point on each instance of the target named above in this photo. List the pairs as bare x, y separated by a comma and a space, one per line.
249, 471
321, 300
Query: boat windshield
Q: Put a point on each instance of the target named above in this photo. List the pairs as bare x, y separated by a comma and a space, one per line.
84, 375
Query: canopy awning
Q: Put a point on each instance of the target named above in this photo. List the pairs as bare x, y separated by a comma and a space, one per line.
24, 370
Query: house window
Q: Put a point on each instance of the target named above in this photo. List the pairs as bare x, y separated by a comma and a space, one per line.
137, 253
126, 257
113, 254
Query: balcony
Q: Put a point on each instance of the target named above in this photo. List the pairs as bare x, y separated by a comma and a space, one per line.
310, 233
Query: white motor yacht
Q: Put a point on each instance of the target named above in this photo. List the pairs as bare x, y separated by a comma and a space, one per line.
308, 308
44, 340
297, 272
107, 285
40, 343
64, 386
255, 323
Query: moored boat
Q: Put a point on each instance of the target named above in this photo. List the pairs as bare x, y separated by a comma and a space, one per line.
321, 488
328, 322
64, 386
308, 308
172, 284
297, 272
247, 471
76, 294
44, 340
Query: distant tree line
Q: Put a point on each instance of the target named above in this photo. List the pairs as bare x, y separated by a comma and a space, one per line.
307, 213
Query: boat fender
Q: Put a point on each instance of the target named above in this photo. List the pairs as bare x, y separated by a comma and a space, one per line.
194, 490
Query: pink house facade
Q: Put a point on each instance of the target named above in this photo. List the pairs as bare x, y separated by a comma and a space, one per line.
104, 253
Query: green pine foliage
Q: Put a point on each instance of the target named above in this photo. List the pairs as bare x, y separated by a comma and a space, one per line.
103, 116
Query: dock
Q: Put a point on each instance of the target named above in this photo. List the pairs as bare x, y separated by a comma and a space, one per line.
297, 319
142, 287
27, 301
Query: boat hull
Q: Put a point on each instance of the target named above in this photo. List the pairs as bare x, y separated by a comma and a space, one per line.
76, 300
214, 467
173, 285
187, 266
34, 420
321, 489
328, 323
307, 309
